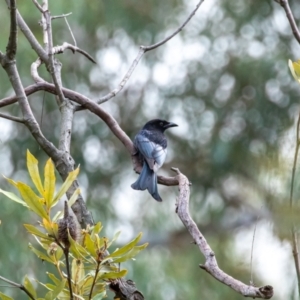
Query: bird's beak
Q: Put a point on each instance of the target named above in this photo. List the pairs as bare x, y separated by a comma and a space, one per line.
169, 125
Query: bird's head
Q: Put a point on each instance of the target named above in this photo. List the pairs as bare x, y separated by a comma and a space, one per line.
158, 124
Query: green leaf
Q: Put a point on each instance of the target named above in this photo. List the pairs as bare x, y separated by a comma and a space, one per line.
4, 297
33, 230
49, 182
132, 253
112, 275
53, 294
90, 245
32, 166
53, 278
97, 228
66, 185
28, 285
40, 254
74, 197
99, 296
13, 197
124, 249
116, 235
78, 272
32, 200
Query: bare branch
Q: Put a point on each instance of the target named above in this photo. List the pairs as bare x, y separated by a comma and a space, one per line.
156, 45
211, 265
31, 39
34, 71
11, 48
71, 32
93, 107
38, 6
142, 51
64, 46
11, 118
286, 6
17, 285
61, 16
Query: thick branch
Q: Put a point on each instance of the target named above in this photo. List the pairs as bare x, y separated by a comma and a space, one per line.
11, 48
211, 265
87, 103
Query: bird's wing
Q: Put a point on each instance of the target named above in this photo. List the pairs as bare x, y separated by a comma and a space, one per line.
153, 153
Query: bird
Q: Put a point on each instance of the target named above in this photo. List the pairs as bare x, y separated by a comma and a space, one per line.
151, 145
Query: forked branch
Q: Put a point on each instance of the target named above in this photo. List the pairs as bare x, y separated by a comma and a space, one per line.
211, 265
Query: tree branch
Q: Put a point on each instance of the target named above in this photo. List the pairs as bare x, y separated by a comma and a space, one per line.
64, 46
286, 6
17, 285
142, 51
11, 48
11, 118
211, 265
93, 107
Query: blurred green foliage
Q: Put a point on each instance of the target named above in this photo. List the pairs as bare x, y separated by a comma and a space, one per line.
224, 80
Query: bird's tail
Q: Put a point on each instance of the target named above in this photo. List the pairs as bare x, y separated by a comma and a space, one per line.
147, 180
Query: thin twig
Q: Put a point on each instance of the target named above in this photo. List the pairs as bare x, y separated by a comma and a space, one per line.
17, 285
64, 46
293, 229
38, 6
290, 16
71, 32
95, 278
142, 51
211, 265
11, 118
61, 16
252, 248
66, 253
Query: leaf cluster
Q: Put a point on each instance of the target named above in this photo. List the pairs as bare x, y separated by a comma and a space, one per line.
93, 267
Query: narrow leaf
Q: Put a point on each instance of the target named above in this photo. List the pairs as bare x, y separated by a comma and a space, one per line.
49, 182
32, 200
125, 248
112, 275
13, 197
33, 230
66, 185
40, 254
74, 197
131, 254
5, 297
33, 169
53, 294
28, 285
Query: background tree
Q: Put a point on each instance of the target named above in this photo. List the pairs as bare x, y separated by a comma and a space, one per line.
224, 80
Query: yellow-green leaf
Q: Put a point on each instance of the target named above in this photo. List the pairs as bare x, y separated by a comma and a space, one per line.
124, 249
49, 182
112, 275
33, 169
5, 297
116, 235
33, 230
53, 294
74, 197
40, 254
77, 271
13, 197
131, 254
32, 200
28, 285
97, 228
66, 185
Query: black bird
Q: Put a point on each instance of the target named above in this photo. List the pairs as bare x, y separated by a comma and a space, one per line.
151, 144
